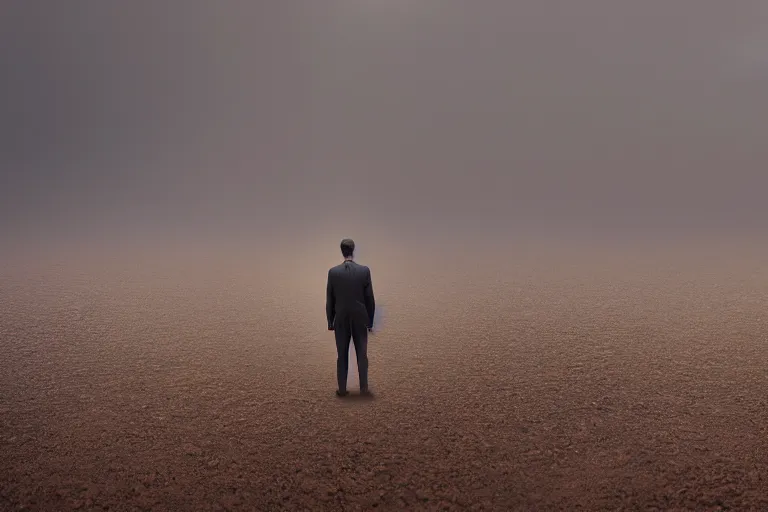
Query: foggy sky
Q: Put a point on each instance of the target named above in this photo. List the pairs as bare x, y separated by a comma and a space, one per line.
394, 115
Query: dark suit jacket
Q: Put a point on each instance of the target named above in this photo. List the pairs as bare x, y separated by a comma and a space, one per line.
349, 294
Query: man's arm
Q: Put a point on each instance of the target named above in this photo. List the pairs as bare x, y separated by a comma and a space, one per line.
370, 302
330, 303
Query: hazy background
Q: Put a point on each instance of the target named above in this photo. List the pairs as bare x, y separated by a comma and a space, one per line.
381, 118
175, 177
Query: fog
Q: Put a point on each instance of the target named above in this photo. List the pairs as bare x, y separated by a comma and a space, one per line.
562, 203
382, 118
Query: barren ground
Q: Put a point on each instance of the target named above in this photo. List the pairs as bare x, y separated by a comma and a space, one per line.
511, 382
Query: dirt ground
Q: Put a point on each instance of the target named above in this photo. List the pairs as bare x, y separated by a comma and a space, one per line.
598, 381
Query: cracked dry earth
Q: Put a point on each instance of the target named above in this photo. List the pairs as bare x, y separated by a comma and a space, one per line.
602, 381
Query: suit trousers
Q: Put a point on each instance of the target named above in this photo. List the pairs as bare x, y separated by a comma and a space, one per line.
346, 329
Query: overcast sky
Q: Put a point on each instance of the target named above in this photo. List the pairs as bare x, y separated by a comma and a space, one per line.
413, 115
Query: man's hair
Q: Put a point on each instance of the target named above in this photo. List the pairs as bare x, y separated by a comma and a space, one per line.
347, 247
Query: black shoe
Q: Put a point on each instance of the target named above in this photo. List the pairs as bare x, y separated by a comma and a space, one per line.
341, 393
366, 392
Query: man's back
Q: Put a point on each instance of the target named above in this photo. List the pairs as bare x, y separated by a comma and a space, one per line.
350, 293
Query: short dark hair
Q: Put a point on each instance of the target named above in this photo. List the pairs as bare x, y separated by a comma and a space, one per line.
347, 247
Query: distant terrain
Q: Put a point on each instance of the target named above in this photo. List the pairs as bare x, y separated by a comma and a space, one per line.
530, 378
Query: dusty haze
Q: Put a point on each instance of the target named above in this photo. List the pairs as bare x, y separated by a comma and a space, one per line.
562, 204
247, 118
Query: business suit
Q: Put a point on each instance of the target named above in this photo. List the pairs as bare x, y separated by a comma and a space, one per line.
349, 308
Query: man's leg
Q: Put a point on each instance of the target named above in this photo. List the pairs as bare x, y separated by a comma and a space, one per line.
343, 335
360, 338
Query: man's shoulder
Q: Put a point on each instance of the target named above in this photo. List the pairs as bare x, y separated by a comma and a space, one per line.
340, 267
364, 268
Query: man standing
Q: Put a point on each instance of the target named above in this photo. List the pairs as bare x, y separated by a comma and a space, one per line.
349, 307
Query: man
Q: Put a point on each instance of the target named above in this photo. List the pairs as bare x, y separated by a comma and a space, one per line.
349, 307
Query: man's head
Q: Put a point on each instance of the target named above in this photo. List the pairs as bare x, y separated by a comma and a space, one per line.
347, 247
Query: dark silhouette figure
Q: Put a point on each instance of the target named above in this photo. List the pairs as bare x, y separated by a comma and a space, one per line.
349, 307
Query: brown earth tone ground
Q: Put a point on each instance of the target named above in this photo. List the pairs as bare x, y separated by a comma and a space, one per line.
540, 380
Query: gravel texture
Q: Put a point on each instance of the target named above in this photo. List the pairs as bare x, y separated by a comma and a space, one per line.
598, 382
